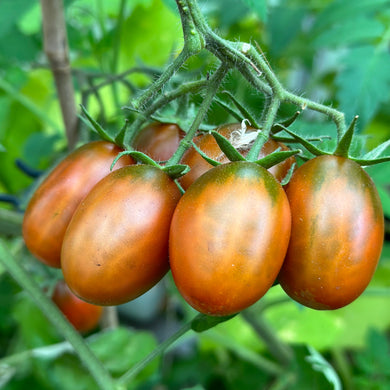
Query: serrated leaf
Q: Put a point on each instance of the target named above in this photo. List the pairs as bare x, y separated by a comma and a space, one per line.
203, 322
259, 7
343, 10
227, 148
176, 171
351, 30
96, 126
364, 82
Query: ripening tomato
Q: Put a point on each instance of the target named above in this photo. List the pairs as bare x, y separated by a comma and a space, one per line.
337, 233
116, 245
208, 145
54, 202
159, 140
82, 315
228, 238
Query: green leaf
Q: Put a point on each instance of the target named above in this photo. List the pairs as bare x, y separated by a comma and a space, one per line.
276, 157
320, 364
244, 112
310, 147
96, 126
367, 163
176, 171
283, 27
285, 181
276, 128
11, 11
364, 83
375, 153
138, 156
227, 148
342, 10
227, 108
121, 348
204, 322
259, 7
205, 156
349, 31
345, 140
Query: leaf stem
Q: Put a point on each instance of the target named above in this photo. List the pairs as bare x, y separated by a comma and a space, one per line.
125, 378
281, 351
48, 308
212, 88
263, 135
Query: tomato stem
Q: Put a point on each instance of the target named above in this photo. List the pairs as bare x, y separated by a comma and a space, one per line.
49, 309
266, 130
125, 378
212, 88
281, 351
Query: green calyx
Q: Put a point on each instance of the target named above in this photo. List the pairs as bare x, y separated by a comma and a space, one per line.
173, 171
343, 147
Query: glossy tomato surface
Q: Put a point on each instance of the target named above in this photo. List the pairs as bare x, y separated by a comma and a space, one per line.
116, 245
337, 233
159, 140
208, 145
54, 202
82, 315
228, 238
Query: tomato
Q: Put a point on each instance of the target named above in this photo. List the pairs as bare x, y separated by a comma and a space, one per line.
116, 245
209, 146
159, 140
228, 238
337, 233
82, 315
54, 202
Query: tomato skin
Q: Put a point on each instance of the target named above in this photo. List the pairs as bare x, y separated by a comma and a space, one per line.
337, 233
208, 145
228, 238
159, 140
116, 245
82, 315
55, 200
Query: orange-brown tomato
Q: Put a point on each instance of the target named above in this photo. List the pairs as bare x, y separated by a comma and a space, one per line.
54, 202
209, 146
82, 315
116, 245
228, 238
159, 140
336, 236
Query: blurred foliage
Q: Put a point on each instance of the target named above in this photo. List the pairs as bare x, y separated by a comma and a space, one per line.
333, 51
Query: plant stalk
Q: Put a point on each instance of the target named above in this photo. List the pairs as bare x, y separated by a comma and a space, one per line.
49, 309
56, 48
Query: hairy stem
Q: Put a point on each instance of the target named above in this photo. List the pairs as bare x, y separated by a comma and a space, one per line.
155, 353
48, 308
281, 351
212, 88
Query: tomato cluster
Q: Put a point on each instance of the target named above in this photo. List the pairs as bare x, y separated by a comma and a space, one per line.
233, 233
